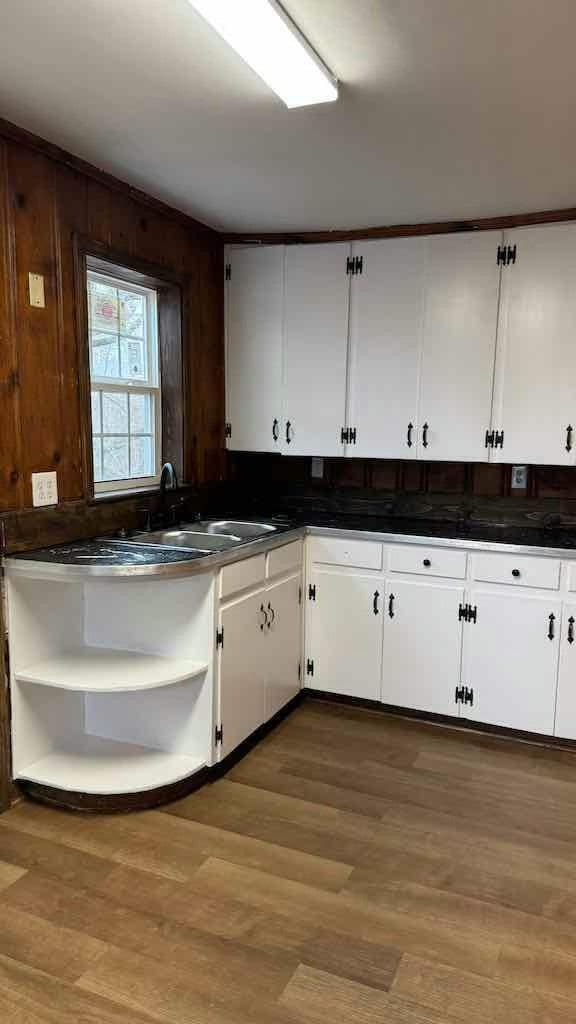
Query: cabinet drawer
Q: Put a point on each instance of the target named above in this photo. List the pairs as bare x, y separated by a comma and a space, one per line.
362, 554
282, 560
241, 575
428, 561
517, 570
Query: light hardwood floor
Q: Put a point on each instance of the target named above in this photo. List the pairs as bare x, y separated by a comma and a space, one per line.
352, 869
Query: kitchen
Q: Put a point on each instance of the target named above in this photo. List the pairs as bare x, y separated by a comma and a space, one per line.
287, 520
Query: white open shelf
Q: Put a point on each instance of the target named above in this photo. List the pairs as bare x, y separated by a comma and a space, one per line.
104, 670
91, 764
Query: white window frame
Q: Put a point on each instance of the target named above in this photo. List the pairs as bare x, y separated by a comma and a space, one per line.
153, 388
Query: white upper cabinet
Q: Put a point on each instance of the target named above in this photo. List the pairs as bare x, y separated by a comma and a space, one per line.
459, 340
316, 348
386, 308
254, 311
535, 394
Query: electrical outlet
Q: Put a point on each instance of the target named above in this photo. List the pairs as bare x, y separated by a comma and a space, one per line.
519, 478
317, 468
44, 489
36, 290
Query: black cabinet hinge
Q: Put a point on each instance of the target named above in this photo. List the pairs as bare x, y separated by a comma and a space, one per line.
344, 435
352, 435
354, 265
219, 734
311, 591
220, 637
506, 255
228, 430
468, 696
489, 439
228, 272
499, 439
467, 613
459, 695
310, 666
300, 594
299, 671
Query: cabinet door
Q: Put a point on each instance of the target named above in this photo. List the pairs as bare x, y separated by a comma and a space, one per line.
535, 393
459, 341
241, 670
511, 660
344, 635
386, 305
316, 346
565, 722
283, 643
422, 645
254, 307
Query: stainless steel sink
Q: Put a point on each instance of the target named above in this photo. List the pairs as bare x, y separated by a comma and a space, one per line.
231, 527
176, 538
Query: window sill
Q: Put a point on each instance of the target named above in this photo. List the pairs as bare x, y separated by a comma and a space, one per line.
132, 492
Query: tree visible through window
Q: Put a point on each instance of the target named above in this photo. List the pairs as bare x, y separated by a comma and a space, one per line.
125, 383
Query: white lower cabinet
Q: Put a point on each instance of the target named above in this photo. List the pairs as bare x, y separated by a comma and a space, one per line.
510, 659
565, 724
259, 652
283, 642
344, 633
422, 645
241, 672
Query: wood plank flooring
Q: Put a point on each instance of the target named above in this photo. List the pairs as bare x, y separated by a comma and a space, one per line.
353, 868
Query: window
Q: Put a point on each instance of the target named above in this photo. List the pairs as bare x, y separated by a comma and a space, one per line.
124, 383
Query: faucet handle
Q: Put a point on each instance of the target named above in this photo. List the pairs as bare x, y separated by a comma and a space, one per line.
146, 514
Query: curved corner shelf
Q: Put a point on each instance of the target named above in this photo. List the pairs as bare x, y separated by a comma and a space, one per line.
94, 765
104, 670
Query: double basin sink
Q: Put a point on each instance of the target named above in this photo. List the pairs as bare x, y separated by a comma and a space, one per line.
206, 536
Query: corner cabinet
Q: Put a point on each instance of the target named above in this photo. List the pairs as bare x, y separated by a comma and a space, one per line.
254, 312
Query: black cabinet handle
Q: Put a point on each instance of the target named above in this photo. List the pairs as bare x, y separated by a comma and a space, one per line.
272, 616
551, 621
375, 604
568, 438
409, 434
391, 606
427, 563
275, 431
265, 620
288, 432
516, 572
571, 630
425, 436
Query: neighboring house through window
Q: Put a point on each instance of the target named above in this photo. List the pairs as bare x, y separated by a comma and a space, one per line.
125, 382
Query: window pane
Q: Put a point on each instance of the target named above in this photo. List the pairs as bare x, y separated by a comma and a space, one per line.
104, 355
133, 359
96, 417
140, 414
104, 311
97, 458
141, 456
132, 312
115, 458
114, 412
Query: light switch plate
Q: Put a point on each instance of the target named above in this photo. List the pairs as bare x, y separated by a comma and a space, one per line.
519, 479
36, 290
44, 489
317, 467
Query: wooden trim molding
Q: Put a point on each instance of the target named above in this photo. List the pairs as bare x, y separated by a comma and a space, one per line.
14, 133
443, 227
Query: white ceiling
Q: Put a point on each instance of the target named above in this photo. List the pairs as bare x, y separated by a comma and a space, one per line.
448, 109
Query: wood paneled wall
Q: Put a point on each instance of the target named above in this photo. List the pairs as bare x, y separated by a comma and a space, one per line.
44, 203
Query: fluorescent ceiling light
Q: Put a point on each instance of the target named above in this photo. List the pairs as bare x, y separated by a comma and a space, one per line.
269, 41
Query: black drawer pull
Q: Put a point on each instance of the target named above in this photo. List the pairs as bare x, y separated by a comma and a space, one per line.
391, 606
275, 432
516, 572
409, 435
288, 432
427, 563
551, 620
571, 630
425, 436
375, 604
569, 439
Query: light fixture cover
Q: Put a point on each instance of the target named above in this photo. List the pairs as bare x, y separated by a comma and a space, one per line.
268, 40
